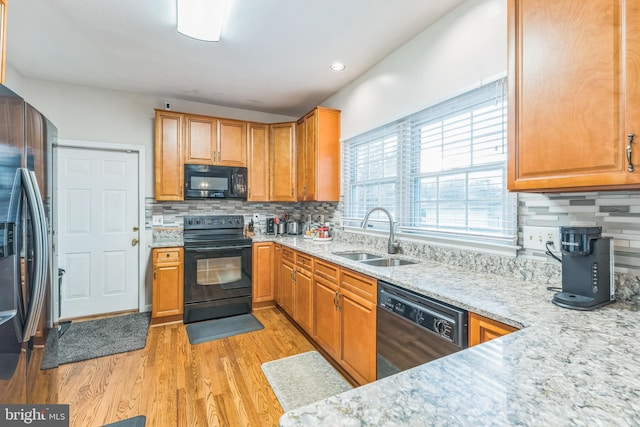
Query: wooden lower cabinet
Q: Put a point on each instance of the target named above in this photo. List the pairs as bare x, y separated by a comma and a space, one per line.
287, 298
357, 329
344, 323
168, 282
326, 317
277, 283
483, 329
303, 305
263, 274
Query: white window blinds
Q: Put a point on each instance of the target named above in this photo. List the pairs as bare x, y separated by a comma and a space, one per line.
439, 171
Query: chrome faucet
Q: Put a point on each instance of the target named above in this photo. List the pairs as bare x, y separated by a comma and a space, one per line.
392, 246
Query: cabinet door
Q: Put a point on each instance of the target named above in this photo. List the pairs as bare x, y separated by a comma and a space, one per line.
310, 156
263, 289
327, 163
258, 162
287, 300
358, 336
168, 288
326, 317
482, 329
283, 168
3, 38
568, 102
200, 140
304, 300
168, 152
301, 158
232, 144
277, 259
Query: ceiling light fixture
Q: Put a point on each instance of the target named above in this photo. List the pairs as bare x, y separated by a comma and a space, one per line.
202, 19
337, 66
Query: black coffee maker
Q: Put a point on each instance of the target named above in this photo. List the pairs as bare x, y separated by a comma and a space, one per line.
587, 269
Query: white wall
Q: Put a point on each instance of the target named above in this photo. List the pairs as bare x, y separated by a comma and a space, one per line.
455, 54
101, 115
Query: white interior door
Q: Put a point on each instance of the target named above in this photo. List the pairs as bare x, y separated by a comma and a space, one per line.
97, 224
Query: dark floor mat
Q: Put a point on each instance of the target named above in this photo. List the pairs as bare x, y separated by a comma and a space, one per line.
96, 338
221, 328
139, 421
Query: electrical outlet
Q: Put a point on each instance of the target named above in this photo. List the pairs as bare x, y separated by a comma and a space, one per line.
157, 220
256, 218
535, 238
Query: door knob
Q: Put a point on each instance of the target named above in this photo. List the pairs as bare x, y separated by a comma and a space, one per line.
134, 242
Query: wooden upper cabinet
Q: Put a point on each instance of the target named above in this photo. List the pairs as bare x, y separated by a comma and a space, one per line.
232, 143
318, 143
211, 141
283, 165
3, 38
258, 162
200, 142
574, 95
301, 142
168, 152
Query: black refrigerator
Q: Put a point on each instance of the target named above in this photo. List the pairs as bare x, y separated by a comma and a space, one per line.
26, 140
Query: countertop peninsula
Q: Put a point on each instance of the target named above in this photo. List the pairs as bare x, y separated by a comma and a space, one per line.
564, 367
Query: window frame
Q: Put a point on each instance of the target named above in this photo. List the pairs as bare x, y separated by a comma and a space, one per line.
408, 174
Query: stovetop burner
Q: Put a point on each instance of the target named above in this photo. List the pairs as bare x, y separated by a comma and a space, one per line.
221, 229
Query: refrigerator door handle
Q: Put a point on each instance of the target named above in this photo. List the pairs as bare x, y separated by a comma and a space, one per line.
44, 258
36, 208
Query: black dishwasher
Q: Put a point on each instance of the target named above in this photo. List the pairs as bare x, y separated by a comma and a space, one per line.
413, 329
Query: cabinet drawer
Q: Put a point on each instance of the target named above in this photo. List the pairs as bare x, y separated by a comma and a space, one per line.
327, 271
288, 254
167, 255
304, 261
359, 284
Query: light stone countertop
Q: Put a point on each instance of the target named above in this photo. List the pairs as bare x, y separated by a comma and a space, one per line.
564, 368
167, 237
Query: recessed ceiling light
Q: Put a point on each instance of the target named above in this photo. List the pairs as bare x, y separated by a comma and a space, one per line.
337, 66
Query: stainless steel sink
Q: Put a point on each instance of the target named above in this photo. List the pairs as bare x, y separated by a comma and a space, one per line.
388, 262
358, 256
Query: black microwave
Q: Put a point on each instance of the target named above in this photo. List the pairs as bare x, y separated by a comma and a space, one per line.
207, 182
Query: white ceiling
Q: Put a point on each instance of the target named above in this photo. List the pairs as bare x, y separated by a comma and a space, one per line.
274, 55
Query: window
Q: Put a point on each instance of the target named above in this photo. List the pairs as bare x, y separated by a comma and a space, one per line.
439, 171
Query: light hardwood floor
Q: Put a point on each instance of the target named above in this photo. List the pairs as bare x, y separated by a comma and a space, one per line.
172, 383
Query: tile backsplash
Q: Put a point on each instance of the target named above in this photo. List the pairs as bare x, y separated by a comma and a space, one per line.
618, 213
173, 212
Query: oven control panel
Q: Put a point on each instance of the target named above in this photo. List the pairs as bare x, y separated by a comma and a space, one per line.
209, 222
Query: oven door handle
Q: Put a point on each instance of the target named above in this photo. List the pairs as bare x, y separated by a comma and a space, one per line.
215, 248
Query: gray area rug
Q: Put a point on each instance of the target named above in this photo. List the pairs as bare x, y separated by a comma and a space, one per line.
303, 379
96, 338
138, 421
210, 330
